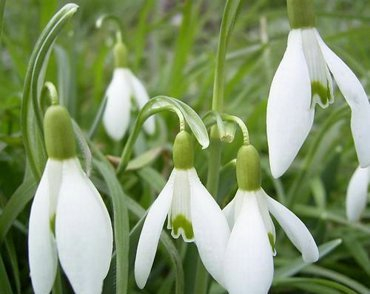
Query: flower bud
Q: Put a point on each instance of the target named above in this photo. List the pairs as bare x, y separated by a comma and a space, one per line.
248, 168
59, 136
301, 13
183, 155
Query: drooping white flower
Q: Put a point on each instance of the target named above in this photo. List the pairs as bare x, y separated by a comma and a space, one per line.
192, 213
68, 217
123, 88
304, 79
357, 193
248, 262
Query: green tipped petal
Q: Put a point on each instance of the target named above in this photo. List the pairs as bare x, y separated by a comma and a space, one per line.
183, 155
181, 223
120, 55
59, 136
322, 92
301, 13
248, 169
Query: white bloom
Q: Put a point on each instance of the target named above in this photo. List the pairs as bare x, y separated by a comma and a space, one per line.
68, 219
123, 87
193, 214
357, 193
248, 262
303, 79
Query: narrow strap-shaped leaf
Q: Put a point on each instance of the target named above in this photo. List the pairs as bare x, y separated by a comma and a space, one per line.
13, 259
298, 264
316, 285
121, 224
31, 117
16, 204
5, 287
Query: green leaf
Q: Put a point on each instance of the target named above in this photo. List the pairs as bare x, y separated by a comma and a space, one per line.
5, 287
144, 159
315, 285
31, 115
13, 260
121, 224
298, 264
17, 203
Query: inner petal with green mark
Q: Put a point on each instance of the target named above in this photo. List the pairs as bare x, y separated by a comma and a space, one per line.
321, 80
179, 217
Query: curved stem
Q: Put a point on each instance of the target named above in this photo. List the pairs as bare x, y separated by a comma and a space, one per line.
112, 19
241, 124
126, 153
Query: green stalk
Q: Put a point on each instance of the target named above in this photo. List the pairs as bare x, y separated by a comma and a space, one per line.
227, 24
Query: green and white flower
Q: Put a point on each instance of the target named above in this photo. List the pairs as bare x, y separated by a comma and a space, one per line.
68, 218
124, 87
248, 262
357, 193
192, 213
304, 79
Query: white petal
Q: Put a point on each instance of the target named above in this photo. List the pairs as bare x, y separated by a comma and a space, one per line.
42, 252
232, 210
289, 112
211, 231
248, 265
116, 116
321, 80
142, 97
83, 231
229, 214
179, 217
151, 232
357, 193
269, 225
295, 229
356, 98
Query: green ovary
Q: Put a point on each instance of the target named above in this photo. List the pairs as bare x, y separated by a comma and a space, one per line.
181, 223
322, 91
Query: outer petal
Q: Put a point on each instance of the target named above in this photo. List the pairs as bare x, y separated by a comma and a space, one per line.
116, 116
295, 229
211, 231
83, 231
356, 98
248, 265
357, 193
289, 112
42, 252
141, 96
265, 214
151, 232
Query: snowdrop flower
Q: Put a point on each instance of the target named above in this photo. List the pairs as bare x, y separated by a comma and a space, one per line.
304, 79
357, 193
68, 218
192, 213
123, 87
248, 262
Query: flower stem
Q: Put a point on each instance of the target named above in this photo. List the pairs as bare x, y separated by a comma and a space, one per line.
228, 20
